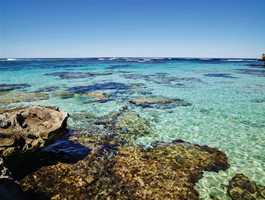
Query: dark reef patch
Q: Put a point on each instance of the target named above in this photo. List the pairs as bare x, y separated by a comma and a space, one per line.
48, 89
164, 79
255, 72
77, 75
220, 75
99, 86
8, 87
119, 66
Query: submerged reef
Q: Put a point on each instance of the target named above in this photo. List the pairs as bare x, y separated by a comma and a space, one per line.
163, 79
23, 97
99, 86
111, 171
77, 75
220, 75
9, 87
125, 123
158, 102
254, 72
241, 188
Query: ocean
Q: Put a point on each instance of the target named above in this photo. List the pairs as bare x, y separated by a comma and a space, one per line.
220, 102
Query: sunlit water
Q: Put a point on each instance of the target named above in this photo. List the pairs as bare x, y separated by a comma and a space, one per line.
227, 97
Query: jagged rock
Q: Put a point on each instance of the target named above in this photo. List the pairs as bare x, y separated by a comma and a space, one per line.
22, 97
241, 188
27, 129
166, 171
158, 101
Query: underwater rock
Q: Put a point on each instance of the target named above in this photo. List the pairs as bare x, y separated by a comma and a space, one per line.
166, 171
23, 97
64, 94
241, 188
71, 181
47, 89
220, 75
9, 87
99, 86
125, 123
77, 75
158, 101
97, 96
164, 79
27, 129
255, 72
81, 120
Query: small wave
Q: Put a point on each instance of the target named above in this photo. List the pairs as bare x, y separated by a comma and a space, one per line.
11, 59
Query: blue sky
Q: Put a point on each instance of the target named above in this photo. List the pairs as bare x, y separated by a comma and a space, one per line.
87, 28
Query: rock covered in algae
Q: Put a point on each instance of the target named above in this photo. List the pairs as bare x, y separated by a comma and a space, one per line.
27, 129
97, 96
167, 171
158, 101
241, 188
23, 97
126, 122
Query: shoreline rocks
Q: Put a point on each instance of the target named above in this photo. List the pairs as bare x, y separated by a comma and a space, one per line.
115, 171
27, 129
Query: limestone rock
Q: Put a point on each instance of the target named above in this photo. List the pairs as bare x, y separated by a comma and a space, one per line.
27, 129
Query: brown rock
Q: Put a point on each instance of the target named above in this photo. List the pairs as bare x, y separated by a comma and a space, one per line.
167, 171
241, 188
97, 95
157, 101
25, 129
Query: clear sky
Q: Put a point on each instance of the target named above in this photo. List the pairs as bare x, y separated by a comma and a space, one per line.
88, 28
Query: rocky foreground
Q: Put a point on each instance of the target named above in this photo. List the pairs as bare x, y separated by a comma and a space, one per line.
41, 159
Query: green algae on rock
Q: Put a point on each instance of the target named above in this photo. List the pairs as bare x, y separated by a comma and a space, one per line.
126, 123
166, 171
241, 188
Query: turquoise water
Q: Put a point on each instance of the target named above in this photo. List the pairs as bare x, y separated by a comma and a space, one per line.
227, 99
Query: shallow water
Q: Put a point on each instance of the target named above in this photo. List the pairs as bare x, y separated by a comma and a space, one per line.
227, 99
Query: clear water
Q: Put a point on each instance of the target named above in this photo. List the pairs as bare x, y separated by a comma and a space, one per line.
227, 96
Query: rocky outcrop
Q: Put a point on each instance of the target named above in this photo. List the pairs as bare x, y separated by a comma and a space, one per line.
158, 101
111, 171
241, 188
27, 129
